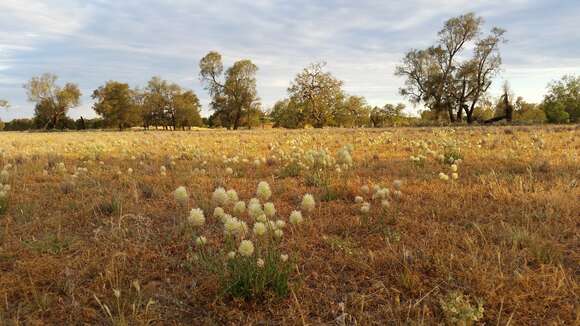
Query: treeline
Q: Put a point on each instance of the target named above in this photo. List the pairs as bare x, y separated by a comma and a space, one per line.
443, 78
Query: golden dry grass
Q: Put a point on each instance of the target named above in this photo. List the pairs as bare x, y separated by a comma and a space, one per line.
505, 232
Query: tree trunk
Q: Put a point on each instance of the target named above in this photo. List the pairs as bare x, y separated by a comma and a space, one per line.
451, 115
469, 114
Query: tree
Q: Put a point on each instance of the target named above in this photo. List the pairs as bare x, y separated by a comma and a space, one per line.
389, 114
563, 95
167, 104
555, 112
187, 109
528, 112
353, 112
236, 95
52, 101
438, 78
317, 95
286, 114
115, 103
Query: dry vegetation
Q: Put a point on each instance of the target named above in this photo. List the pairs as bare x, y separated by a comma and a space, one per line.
85, 240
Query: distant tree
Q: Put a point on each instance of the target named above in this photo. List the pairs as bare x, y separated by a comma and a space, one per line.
388, 115
563, 100
353, 112
167, 104
19, 125
115, 102
286, 114
80, 124
187, 110
438, 78
555, 112
157, 106
234, 94
317, 95
52, 101
528, 112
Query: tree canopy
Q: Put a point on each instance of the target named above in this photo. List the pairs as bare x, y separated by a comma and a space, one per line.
442, 78
234, 93
52, 101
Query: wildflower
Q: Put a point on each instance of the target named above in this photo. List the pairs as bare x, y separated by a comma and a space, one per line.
196, 217
443, 176
278, 233
283, 257
246, 248
233, 226
229, 171
280, 224
385, 203
255, 210
365, 208
358, 199
259, 228
263, 192
262, 218
308, 203
239, 208
296, 217
218, 212
453, 167
200, 241
220, 196
454, 176
232, 196
269, 210
231, 255
181, 196
260, 262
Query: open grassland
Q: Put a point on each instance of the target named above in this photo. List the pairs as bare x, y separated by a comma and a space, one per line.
93, 232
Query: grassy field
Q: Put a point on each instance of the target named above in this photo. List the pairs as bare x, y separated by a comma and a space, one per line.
93, 232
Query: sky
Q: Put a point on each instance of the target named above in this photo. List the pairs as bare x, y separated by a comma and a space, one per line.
89, 42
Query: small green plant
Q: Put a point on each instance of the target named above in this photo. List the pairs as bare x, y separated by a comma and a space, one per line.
459, 310
250, 263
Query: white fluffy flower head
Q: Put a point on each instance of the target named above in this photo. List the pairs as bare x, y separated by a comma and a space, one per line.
196, 217
246, 248
308, 203
263, 192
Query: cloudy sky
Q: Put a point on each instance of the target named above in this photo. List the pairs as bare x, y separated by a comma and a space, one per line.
91, 41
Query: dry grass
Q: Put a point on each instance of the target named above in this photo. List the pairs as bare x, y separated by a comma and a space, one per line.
506, 232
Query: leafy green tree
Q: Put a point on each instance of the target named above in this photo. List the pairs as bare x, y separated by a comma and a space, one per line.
317, 95
187, 110
52, 101
528, 112
353, 112
234, 96
563, 95
286, 114
388, 115
444, 79
555, 112
115, 104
